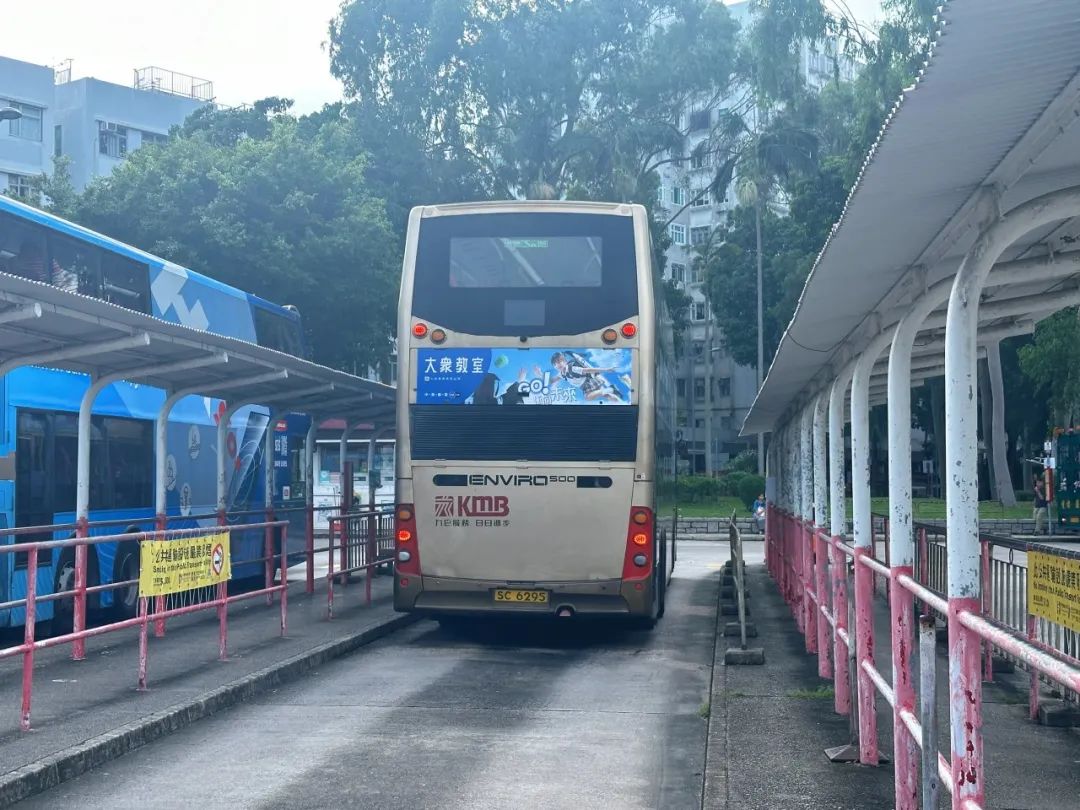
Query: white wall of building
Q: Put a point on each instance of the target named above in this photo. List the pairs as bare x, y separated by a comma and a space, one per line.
26, 145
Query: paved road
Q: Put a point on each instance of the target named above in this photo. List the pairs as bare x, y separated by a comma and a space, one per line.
492, 716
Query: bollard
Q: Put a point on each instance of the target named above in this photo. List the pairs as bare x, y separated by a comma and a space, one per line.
928, 709
78, 646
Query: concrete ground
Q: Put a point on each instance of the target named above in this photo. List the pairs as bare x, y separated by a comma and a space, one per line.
488, 715
500, 714
78, 704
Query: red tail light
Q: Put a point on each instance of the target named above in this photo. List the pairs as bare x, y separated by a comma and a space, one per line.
406, 554
638, 562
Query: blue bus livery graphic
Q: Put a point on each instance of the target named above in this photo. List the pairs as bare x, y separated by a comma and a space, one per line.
540, 376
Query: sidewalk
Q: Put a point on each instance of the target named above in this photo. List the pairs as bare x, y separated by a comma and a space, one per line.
770, 724
88, 712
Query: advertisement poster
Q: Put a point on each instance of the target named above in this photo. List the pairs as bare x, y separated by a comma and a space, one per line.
548, 376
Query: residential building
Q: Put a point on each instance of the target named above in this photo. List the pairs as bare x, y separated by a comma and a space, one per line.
95, 123
714, 392
26, 148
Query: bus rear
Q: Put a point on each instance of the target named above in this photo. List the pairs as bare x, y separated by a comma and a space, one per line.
526, 412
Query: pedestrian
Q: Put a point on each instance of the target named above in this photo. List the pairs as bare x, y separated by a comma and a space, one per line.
1039, 511
758, 512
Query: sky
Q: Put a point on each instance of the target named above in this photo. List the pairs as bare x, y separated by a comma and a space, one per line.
249, 49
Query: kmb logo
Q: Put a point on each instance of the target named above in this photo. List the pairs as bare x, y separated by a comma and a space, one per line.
472, 506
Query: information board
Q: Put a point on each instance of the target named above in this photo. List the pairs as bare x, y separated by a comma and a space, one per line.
171, 566
1053, 588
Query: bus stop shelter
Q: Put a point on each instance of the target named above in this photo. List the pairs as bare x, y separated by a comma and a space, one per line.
41, 325
960, 231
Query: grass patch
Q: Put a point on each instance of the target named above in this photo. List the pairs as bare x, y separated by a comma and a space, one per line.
818, 693
705, 710
922, 509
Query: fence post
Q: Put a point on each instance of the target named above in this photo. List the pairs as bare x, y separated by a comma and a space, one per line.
928, 709
78, 646
161, 523
28, 636
821, 556
334, 521
806, 538
841, 675
144, 606
309, 549
284, 580
268, 554
987, 606
864, 645
1033, 692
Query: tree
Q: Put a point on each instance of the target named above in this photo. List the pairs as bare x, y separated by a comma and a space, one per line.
1052, 362
550, 98
257, 201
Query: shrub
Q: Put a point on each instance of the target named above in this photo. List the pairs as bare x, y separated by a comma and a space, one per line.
749, 488
698, 489
730, 483
745, 462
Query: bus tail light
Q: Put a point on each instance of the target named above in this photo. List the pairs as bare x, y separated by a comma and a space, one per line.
629, 330
406, 553
419, 330
609, 336
638, 562
438, 335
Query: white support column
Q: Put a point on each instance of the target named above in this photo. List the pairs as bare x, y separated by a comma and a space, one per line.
837, 461
864, 544
821, 482
962, 479
806, 463
309, 462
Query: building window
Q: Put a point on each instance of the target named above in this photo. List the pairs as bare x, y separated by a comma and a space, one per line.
699, 348
702, 199
699, 423
699, 310
725, 422
699, 389
660, 194
700, 119
678, 233
153, 138
112, 139
678, 272
678, 195
29, 126
723, 386
58, 141
21, 186
700, 159
695, 273
680, 387
700, 235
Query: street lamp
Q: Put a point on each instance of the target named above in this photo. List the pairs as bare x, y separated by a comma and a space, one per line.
9, 114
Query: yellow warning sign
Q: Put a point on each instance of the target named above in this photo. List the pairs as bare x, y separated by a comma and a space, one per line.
171, 566
1053, 588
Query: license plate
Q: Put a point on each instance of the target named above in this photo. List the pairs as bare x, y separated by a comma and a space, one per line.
521, 597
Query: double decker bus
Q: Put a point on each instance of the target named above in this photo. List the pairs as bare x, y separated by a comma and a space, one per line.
535, 413
39, 413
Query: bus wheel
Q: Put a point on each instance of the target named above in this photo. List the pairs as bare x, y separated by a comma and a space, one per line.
126, 567
63, 620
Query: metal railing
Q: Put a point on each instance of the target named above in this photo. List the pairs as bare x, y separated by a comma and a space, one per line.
366, 543
362, 541
798, 558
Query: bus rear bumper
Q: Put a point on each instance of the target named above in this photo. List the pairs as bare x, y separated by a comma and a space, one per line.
435, 595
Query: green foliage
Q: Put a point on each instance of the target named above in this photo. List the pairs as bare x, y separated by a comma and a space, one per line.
699, 489
283, 214
1052, 363
745, 462
749, 488
548, 98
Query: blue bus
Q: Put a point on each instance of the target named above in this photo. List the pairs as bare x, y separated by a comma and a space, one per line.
39, 413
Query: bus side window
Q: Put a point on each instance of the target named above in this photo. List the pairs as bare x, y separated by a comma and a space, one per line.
124, 282
22, 249
76, 267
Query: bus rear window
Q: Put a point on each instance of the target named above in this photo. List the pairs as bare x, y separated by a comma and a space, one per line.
516, 261
519, 274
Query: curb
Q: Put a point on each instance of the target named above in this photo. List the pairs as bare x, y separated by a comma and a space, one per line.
76, 760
